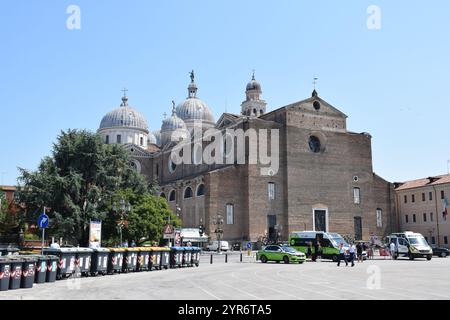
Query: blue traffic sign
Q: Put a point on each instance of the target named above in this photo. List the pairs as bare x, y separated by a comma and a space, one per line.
249, 245
43, 221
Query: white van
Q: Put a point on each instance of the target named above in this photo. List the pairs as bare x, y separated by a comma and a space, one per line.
213, 246
411, 245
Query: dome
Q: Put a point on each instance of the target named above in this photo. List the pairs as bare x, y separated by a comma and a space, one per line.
157, 135
254, 85
152, 139
194, 109
173, 128
172, 123
124, 116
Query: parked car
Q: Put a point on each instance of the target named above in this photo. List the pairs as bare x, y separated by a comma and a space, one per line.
213, 246
280, 253
441, 252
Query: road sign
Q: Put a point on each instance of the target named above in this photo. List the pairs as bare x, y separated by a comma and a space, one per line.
249, 245
168, 232
43, 221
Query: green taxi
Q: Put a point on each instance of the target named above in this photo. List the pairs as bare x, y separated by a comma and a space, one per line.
280, 253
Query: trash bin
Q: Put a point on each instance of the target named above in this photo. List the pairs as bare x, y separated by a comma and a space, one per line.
99, 262
130, 259
115, 260
176, 257
8, 251
52, 268
16, 272
155, 258
41, 268
28, 271
5, 272
165, 258
83, 260
143, 261
187, 256
66, 264
195, 258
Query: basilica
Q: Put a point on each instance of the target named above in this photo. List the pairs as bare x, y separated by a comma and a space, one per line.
323, 181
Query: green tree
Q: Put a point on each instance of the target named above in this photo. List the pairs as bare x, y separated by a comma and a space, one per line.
8, 220
147, 218
77, 183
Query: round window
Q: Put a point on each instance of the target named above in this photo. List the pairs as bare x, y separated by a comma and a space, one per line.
316, 105
314, 144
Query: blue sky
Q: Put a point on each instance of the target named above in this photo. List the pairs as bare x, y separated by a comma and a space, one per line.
392, 82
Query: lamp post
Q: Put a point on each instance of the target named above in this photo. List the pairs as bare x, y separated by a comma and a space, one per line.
218, 222
178, 213
123, 208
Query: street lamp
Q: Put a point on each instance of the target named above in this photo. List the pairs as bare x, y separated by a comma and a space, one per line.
218, 222
123, 208
178, 213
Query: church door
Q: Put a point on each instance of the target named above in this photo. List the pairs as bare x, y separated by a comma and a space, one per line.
320, 222
271, 223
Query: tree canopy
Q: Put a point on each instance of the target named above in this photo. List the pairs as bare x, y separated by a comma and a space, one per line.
80, 181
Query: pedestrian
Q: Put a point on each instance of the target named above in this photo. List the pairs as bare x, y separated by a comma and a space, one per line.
392, 249
342, 255
309, 250
359, 251
316, 250
352, 251
319, 251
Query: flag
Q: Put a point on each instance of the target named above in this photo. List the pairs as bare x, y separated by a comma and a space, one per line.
445, 213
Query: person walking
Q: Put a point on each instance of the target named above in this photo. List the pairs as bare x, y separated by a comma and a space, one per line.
359, 251
309, 251
319, 251
352, 251
342, 255
392, 249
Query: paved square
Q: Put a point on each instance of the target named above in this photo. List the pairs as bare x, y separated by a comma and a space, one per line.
374, 279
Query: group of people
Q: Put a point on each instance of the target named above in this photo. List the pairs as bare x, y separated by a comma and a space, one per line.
353, 251
314, 251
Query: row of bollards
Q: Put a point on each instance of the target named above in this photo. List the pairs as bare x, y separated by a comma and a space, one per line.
211, 260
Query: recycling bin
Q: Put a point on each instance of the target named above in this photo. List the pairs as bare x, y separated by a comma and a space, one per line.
143, 261
66, 264
52, 268
130, 259
155, 258
99, 261
195, 257
5, 272
165, 258
41, 268
8, 251
187, 256
115, 260
28, 271
16, 272
83, 260
176, 257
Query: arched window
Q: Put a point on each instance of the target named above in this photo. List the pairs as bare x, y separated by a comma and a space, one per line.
172, 195
107, 140
163, 195
201, 190
188, 193
119, 138
141, 141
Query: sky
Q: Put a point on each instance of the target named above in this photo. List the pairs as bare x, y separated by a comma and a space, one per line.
392, 81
